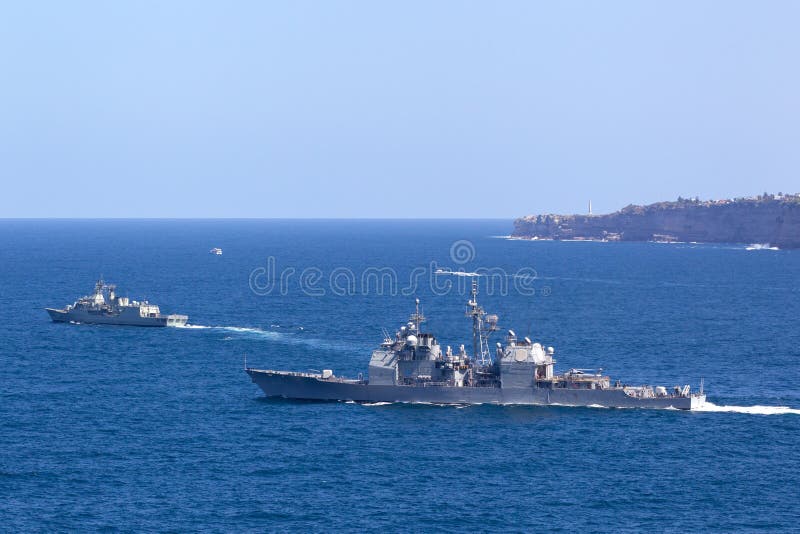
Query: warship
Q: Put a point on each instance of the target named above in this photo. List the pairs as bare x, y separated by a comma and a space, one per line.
412, 367
103, 306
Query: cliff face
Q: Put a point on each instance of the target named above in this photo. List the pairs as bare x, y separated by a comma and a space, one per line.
773, 221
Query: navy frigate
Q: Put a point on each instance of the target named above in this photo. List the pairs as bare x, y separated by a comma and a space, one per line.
103, 306
412, 367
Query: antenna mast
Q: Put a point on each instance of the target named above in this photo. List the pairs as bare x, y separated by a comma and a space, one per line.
417, 318
480, 329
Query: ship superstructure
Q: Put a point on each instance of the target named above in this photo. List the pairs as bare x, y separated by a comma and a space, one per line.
103, 306
412, 367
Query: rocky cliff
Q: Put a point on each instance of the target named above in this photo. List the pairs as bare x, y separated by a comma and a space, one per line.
768, 219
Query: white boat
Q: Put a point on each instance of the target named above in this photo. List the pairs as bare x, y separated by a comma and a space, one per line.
761, 246
216, 251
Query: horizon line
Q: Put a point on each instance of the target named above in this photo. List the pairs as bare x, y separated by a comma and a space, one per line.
257, 218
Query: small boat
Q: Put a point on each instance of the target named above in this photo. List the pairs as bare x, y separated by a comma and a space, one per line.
216, 251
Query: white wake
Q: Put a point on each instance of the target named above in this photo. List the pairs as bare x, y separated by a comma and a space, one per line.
248, 330
753, 410
288, 337
457, 273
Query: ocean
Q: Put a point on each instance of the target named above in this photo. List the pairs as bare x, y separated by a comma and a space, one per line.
136, 429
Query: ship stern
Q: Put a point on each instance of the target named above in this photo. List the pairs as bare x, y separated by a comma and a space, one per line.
177, 320
697, 401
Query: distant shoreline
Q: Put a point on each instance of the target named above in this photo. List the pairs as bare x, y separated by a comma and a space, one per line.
288, 219
771, 220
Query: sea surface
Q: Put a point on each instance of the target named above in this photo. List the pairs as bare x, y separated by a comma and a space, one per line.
136, 429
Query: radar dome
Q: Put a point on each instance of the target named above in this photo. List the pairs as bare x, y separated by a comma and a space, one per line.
411, 341
538, 353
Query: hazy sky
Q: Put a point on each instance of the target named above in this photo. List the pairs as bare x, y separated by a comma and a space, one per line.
392, 109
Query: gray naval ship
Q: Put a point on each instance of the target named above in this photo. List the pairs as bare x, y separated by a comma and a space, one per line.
105, 307
412, 367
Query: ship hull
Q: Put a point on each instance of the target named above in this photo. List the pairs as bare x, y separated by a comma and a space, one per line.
314, 387
131, 319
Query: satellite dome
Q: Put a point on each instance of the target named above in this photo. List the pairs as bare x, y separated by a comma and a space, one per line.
538, 353
411, 341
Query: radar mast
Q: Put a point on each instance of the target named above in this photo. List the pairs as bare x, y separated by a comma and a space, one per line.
417, 318
482, 326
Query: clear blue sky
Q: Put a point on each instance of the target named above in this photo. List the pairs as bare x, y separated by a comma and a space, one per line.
392, 109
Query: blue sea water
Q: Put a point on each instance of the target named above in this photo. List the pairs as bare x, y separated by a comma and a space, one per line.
123, 428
